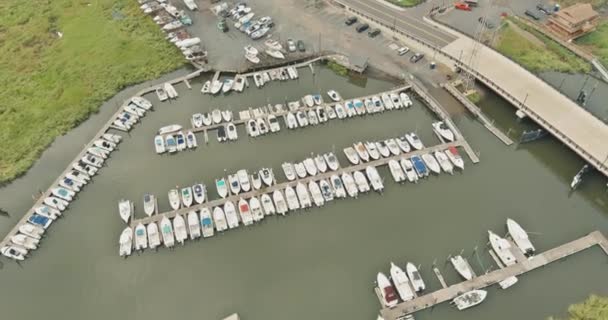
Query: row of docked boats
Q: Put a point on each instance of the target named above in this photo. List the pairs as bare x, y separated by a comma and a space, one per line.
130, 114
166, 91
404, 284
173, 139
503, 248
59, 197
278, 74
263, 125
244, 20
243, 182
215, 117
238, 84
311, 166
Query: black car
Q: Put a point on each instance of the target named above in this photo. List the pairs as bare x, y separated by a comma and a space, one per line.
373, 33
350, 21
300, 45
362, 27
543, 9
532, 14
415, 58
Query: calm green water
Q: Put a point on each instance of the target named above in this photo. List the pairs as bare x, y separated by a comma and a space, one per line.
318, 264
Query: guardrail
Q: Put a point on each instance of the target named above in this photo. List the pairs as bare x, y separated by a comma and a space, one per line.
506, 95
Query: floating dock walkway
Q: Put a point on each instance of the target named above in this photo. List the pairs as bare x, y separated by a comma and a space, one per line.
523, 266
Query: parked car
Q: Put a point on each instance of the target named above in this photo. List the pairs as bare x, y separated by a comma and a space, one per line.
403, 50
301, 46
362, 27
350, 20
416, 57
291, 45
543, 9
532, 14
373, 33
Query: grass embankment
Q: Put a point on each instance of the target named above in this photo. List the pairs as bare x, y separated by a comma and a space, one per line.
405, 3
594, 308
50, 83
537, 56
597, 42
337, 68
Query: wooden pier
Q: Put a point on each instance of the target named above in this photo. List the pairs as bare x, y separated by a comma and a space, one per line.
488, 279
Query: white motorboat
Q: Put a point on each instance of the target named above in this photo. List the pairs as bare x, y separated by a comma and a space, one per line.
252, 58
125, 210
92, 160
351, 155
149, 204
244, 180
256, 209
245, 212
275, 53
372, 150
312, 118
361, 181
207, 222
134, 110
359, 107
25, 241
300, 169
378, 106
273, 44
235, 185
31, 230
222, 188
502, 247
302, 118
405, 99
396, 171
303, 195
273, 123
267, 176
334, 95
402, 283
520, 237
194, 227
318, 99
431, 163
414, 141
331, 112
289, 171
350, 185
396, 101
186, 195
141, 237
179, 225
279, 202
310, 166
292, 199
462, 267
408, 168
63, 193
321, 114
252, 128
105, 145
256, 181
227, 85
174, 199
455, 157
48, 212
112, 137
98, 152
56, 203
191, 140
171, 143
508, 282
227, 115
326, 190
216, 86
387, 102
403, 144
199, 192
383, 149
415, 278
159, 144
291, 121
231, 132
442, 131
142, 103
308, 100
469, 299
126, 242
374, 178
224, 221
206, 87
340, 111
361, 151
315, 193
320, 163
444, 162
267, 204
216, 116
153, 235
166, 230
171, 92
82, 173
14, 252
161, 94
332, 161
71, 184
180, 139
393, 147
239, 83
369, 105
337, 186
262, 126
387, 291
169, 129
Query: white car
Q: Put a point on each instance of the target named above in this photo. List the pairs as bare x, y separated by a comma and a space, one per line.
291, 45
403, 50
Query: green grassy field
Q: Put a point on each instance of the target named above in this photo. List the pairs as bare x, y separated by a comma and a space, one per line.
51, 83
538, 58
594, 308
597, 41
405, 3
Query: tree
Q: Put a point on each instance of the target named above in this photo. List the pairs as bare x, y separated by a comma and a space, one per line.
594, 308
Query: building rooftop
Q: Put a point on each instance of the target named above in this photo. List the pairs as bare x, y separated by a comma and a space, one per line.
577, 13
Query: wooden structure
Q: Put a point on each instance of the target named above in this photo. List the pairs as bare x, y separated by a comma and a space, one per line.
574, 21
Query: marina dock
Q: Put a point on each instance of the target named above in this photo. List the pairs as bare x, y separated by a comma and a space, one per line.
522, 266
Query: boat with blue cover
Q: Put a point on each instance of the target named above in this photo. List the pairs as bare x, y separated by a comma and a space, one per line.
419, 166
39, 220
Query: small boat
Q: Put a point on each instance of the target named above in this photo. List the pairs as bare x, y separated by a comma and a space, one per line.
442, 131
431, 163
378, 106
396, 101
252, 58
267, 176
414, 141
244, 180
444, 162
48, 212
369, 105
312, 118
318, 99
105, 145
352, 155
462, 267
82, 173
393, 147
216, 116
206, 87
222, 188
291, 121
63, 193
326, 190
405, 99
469, 299
179, 225
256, 181
396, 171
207, 223
31, 230
14, 252
508, 282
374, 178
455, 157
161, 94
186, 195
174, 200
92, 160
289, 171
56, 203
191, 140
141, 237
331, 112
372, 150
171, 143
98, 152
227, 85
220, 219
134, 110
332, 161
169, 129
273, 44
239, 83
262, 126
235, 186
387, 291
153, 235
275, 53
408, 168
415, 278
221, 134
303, 196
302, 118
252, 127
382, 149
387, 102
149, 204
216, 86
256, 209
315, 193
361, 181
502, 247
338, 186
125, 210
310, 166
340, 111
334, 95
171, 92
300, 170
350, 185
361, 151
359, 106
159, 144
199, 191
181, 141
578, 178
231, 132
166, 229
520, 237
403, 144
227, 115
292, 199
112, 137
194, 227
258, 80
245, 212
70, 184
320, 163
267, 204
308, 100
126, 242
273, 123
25, 241
419, 166
207, 120
402, 283
279, 202
141, 102
321, 115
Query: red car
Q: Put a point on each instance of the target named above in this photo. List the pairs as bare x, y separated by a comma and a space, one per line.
462, 6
